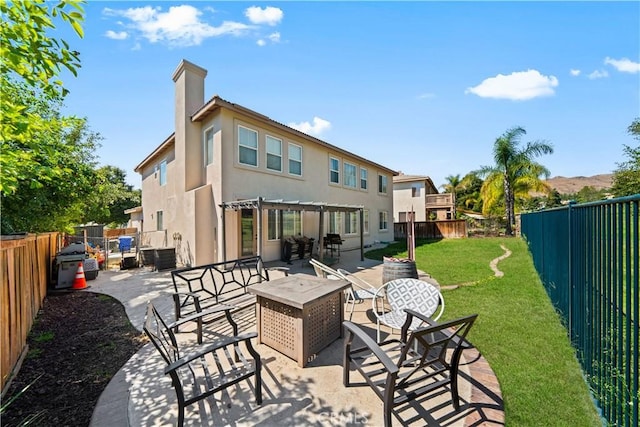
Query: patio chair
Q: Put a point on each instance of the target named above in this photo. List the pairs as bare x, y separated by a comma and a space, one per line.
401, 370
323, 270
208, 368
359, 291
403, 294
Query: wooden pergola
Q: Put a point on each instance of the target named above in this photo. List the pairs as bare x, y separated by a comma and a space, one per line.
260, 204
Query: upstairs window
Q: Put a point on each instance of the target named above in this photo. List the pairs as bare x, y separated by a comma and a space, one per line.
415, 191
274, 154
334, 170
162, 172
382, 184
208, 146
247, 146
350, 175
295, 159
364, 177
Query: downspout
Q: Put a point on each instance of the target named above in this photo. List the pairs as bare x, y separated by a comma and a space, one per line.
361, 211
321, 234
224, 234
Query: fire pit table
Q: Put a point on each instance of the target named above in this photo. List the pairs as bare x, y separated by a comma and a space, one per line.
300, 314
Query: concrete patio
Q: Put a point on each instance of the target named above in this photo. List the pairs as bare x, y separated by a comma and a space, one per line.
141, 395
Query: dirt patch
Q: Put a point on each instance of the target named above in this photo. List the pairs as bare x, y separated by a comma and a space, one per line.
79, 341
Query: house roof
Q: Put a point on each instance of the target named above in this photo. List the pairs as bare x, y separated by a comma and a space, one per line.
168, 142
413, 178
294, 205
216, 102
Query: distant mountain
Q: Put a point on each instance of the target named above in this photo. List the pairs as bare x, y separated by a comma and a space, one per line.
572, 185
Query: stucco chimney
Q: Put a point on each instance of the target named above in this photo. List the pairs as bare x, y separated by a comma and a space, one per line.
189, 97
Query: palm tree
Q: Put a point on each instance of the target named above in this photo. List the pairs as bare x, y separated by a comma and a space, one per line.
514, 174
452, 186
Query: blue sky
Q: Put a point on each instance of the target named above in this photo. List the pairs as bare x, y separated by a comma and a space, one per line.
420, 87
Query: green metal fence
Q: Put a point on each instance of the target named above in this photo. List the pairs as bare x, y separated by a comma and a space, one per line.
587, 257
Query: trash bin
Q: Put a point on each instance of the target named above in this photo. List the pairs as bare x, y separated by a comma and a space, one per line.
67, 261
124, 243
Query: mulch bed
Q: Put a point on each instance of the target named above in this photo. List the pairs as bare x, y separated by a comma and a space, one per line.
77, 344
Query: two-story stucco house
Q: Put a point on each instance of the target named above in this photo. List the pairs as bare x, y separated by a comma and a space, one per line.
231, 182
417, 193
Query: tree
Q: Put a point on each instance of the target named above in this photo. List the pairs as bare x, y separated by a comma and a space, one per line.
514, 174
31, 61
39, 205
110, 198
626, 179
452, 186
468, 196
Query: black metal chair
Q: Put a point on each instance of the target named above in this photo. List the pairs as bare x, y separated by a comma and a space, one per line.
208, 368
400, 370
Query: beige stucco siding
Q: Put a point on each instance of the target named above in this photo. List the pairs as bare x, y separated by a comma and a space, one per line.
405, 202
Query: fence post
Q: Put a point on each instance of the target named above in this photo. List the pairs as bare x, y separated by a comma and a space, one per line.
571, 272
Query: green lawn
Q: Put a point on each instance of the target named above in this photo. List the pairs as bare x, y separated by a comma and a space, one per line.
517, 330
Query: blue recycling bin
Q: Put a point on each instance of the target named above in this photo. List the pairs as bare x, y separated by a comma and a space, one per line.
124, 243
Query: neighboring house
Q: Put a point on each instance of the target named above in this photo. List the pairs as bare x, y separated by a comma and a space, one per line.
135, 218
418, 194
231, 182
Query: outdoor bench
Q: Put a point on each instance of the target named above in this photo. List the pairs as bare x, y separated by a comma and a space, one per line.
202, 287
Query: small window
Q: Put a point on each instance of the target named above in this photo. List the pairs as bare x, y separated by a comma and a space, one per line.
334, 222
415, 191
384, 221
295, 159
365, 222
273, 230
274, 154
208, 146
247, 146
350, 176
382, 184
159, 221
291, 223
334, 170
162, 169
351, 223
364, 177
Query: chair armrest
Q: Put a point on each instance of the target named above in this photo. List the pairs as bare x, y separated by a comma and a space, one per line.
412, 313
201, 314
372, 345
208, 349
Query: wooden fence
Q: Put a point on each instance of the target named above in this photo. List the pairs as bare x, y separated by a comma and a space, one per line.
25, 271
443, 229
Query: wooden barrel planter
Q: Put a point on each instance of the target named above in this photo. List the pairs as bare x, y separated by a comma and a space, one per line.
398, 268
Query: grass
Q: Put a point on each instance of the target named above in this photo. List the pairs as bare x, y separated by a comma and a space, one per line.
517, 331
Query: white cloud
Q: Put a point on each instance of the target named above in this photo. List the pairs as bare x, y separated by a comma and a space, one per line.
598, 74
269, 15
520, 85
624, 65
574, 72
426, 95
273, 38
318, 127
179, 26
120, 35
